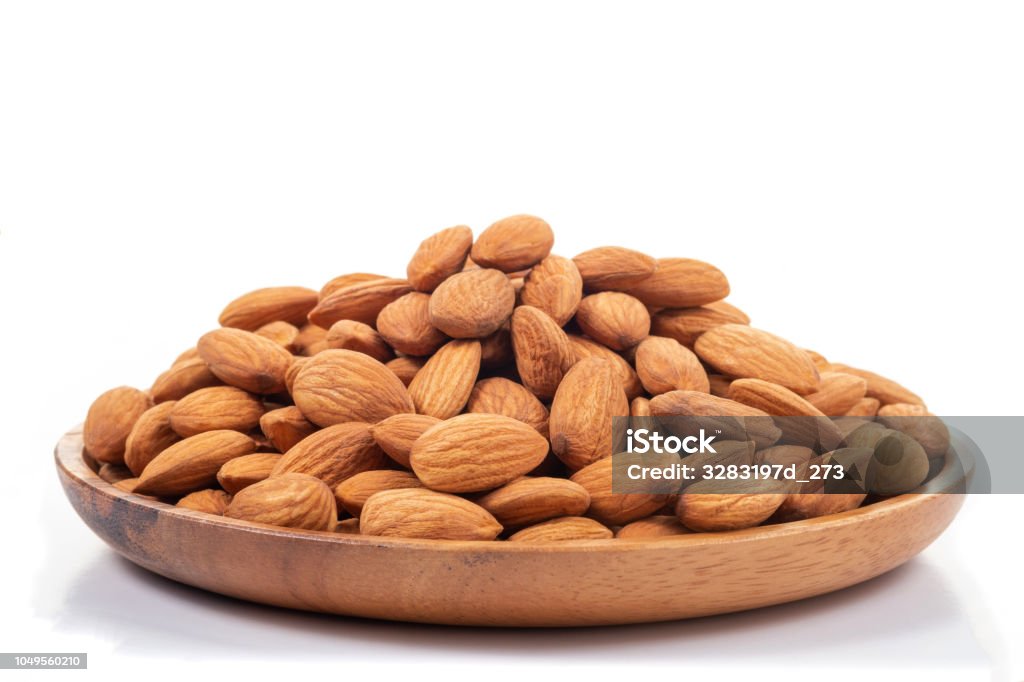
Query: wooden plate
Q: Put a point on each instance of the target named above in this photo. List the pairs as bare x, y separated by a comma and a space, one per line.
598, 582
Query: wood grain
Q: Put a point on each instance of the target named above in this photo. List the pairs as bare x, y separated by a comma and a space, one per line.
593, 582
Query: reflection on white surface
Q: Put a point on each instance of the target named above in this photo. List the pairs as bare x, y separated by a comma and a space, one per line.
906, 616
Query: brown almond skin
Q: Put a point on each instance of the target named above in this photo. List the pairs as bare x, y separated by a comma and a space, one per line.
542, 351
285, 427
554, 285
778, 400
498, 395
421, 513
151, 435
472, 304
476, 452
742, 351
665, 365
759, 428
207, 501
614, 509
885, 390
242, 472
218, 407
192, 464
681, 283
405, 368
344, 281
183, 377
334, 454
514, 243
110, 420
244, 360
610, 268
337, 386
785, 455
290, 501
837, 393
113, 473
360, 337
405, 325
617, 320
439, 256
719, 385
586, 401
442, 387
361, 302
918, 423
396, 435
526, 501
282, 333
662, 526
640, 407
713, 512
583, 347
865, 407
311, 340
263, 306
564, 529
496, 349
685, 325
353, 493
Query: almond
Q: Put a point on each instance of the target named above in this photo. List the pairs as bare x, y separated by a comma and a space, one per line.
360, 337
542, 350
785, 455
360, 302
713, 511
681, 283
283, 334
886, 391
291, 501
665, 365
498, 395
496, 349
526, 501
554, 285
184, 377
151, 435
442, 387
735, 420
396, 435
614, 509
583, 347
344, 281
419, 513
802, 423
242, 359
586, 401
476, 452
352, 494
405, 325
473, 304
742, 351
263, 306
349, 526
918, 423
218, 407
333, 454
640, 407
242, 472
563, 529
609, 268
405, 368
837, 393
513, 243
293, 371
311, 339
685, 325
338, 386
819, 360
617, 320
285, 427
113, 473
439, 256
192, 464
207, 501
110, 421
653, 527
865, 407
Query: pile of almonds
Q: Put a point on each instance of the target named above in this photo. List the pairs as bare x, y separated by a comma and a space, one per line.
471, 400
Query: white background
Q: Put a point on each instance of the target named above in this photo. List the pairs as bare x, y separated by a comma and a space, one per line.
855, 168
